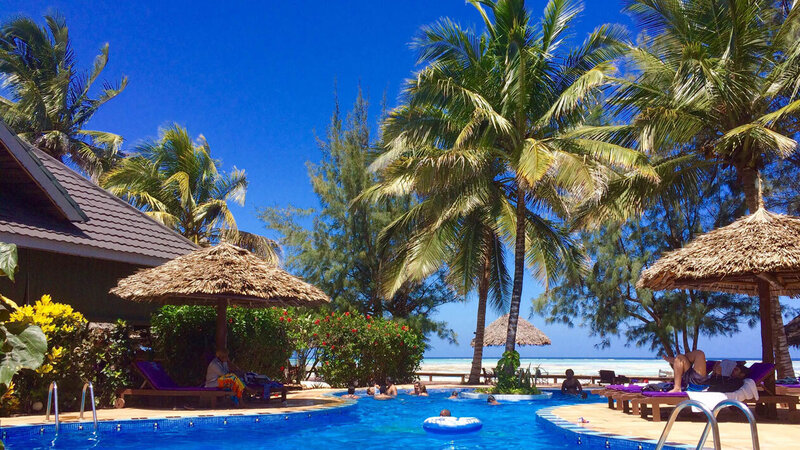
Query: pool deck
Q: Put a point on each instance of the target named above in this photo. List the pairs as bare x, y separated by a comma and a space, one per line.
297, 401
734, 434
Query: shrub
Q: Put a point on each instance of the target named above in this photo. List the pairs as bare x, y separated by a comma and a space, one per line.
361, 349
107, 354
511, 379
184, 337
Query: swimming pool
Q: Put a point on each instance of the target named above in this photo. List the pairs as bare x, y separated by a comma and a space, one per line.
367, 424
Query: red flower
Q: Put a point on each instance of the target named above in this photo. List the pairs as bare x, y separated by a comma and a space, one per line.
339, 319
354, 330
415, 346
347, 313
323, 343
281, 369
401, 344
230, 320
333, 314
369, 325
281, 319
315, 334
405, 328
284, 312
288, 319
316, 322
333, 347
327, 363
327, 335
369, 317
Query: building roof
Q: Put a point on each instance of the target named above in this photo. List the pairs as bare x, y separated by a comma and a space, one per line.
45, 205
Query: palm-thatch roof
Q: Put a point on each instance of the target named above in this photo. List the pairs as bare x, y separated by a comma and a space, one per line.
222, 272
762, 246
527, 334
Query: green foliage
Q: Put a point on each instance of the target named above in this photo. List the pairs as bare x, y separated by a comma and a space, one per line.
606, 299
23, 344
49, 100
511, 379
341, 252
363, 349
8, 260
66, 330
107, 355
183, 337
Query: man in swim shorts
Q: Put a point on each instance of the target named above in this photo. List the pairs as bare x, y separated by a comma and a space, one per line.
689, 369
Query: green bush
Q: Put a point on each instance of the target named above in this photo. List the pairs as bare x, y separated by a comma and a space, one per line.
511, 379
183, 336
107, 355
362, 349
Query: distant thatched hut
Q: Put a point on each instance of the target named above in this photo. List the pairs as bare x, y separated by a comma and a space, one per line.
527, 334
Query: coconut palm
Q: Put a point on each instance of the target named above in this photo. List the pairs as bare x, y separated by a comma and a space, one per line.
718, 81
514, 98
176, 182
49, 101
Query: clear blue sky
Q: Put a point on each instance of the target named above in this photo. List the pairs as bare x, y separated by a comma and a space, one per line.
257, 80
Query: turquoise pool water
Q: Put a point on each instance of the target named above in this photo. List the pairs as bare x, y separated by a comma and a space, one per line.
369, 424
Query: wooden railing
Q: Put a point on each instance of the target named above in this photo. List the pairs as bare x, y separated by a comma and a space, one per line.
590, 378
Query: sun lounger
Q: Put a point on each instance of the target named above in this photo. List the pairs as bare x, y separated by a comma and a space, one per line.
653, 401
157, 383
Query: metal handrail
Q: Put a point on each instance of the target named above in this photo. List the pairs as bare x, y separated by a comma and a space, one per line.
747, 413
52, 391
672, 417
89, 385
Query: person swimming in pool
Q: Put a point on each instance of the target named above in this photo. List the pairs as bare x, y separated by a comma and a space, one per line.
571, 385
689, 369
444, 413
351, 392
492, 401
453, 395
423, 391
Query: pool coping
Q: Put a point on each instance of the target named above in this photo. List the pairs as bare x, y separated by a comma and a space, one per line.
10, 432
580, 435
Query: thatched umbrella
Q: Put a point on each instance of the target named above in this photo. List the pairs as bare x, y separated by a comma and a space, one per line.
527, 334
219, 276
757, 255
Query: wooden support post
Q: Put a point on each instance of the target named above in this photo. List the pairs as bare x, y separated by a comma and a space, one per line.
767, 351
222, 325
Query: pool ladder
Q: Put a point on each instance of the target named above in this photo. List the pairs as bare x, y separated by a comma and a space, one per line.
52, 401
712, 424
52, 392
88, 384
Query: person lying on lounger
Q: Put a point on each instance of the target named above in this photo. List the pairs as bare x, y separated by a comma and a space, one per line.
689, 369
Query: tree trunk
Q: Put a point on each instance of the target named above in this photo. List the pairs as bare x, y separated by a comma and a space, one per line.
519, 270
783, 361
751, 184
483, 294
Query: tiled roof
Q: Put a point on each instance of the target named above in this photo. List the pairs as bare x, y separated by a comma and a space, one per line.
114, 230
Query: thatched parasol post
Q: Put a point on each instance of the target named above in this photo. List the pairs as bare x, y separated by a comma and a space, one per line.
222, 324
765, 311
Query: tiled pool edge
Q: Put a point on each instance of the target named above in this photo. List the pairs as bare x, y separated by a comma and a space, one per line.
11, 432
581, 436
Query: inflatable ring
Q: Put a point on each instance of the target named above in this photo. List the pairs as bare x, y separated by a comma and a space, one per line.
450, 425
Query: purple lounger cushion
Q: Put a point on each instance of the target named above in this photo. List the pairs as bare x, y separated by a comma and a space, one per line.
790, 386
759, 371
158, 378
663, 394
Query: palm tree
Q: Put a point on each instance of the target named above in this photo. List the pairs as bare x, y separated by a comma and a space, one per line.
499, 108
718, 80
50, 103
176, 182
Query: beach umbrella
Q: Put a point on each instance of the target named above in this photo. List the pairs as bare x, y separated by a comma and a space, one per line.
219, 276
527, 334
757, 255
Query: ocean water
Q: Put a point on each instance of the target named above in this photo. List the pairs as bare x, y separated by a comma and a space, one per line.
581, 366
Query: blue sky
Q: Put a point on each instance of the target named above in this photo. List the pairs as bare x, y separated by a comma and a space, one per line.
257, 80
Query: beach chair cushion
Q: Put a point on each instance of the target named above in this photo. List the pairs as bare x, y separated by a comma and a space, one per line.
158, 378
760, 371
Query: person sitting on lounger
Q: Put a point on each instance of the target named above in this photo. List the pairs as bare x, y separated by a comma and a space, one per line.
689, 369
571, 385
220, 375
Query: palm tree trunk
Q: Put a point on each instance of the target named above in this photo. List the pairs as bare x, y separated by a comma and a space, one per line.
519, 271
751, 184
483, 294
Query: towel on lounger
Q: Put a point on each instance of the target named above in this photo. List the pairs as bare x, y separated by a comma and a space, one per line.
748, 391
